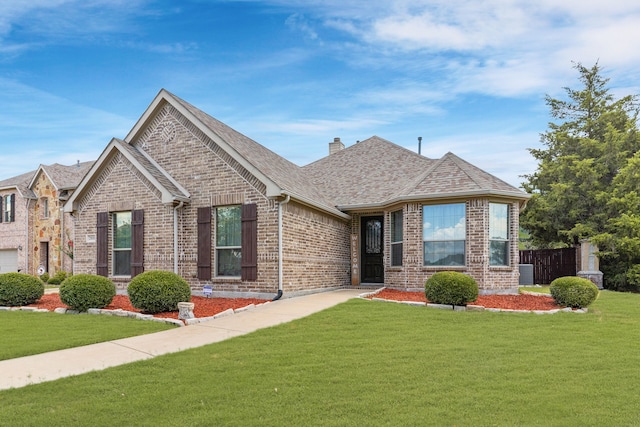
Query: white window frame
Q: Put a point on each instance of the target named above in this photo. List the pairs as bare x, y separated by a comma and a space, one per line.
219, 248
114, 250
501, 232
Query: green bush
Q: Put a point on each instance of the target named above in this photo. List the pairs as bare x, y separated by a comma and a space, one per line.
84, 291
57, 278
17, 289
575, 292
451, 287
158, 291
44, 277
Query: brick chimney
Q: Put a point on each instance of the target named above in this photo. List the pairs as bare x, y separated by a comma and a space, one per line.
335, 146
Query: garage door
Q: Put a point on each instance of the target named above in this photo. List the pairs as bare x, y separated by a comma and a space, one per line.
8, 260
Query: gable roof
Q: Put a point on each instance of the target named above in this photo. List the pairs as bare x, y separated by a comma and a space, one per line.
171, 191
367, 172
370, 174
61, 176
20, 183
375, 173
280, 176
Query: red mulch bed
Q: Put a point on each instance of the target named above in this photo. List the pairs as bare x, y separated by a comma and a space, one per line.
204, 307
512, 302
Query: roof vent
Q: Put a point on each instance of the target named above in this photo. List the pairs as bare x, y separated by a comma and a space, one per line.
335, 146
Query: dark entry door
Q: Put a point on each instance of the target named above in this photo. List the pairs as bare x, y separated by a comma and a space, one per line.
372, 249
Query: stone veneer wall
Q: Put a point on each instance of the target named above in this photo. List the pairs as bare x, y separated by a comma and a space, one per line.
412, 275
56, 228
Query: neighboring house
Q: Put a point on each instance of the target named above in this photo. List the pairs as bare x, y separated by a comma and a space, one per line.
51, 229
36, 235
15, 198
184, 192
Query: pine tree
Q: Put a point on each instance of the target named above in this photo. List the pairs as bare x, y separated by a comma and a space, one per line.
593, 140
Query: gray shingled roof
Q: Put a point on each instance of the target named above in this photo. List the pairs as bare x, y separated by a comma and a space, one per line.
67, 177
376, 172
20, 182
281, 171
368, 172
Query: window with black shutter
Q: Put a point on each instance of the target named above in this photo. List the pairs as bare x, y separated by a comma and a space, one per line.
137, 242
102, 244
249, 242
204, 243
1, 208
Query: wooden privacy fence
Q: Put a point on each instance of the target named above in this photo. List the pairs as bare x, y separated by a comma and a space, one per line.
549, 264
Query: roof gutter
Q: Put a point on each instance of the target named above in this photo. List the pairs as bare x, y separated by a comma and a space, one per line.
386, 203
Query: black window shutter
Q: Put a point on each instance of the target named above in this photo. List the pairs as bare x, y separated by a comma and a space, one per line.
249, 261
102, 244
1, 210
137, 242
13, 208
204, 243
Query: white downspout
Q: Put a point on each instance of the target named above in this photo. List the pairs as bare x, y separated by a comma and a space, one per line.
280, 205
175, 236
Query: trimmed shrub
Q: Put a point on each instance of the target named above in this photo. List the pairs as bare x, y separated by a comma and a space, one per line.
18, 289
158, 291
84, 291
44, 277
451, 287
57, 278
575, 292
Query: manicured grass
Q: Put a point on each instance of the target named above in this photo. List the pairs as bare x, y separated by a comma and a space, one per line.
24, 333
375, 364
541, 289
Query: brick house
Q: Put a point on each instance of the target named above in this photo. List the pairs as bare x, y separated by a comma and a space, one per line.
35, 234
185, 192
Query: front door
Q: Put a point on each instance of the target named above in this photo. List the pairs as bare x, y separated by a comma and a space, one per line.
372, 244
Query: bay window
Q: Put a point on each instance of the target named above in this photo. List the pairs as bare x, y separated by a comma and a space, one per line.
444, 234
498, 234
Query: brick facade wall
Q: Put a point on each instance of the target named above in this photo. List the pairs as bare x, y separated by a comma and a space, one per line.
316, 250
315, 253
13, 235
412, 275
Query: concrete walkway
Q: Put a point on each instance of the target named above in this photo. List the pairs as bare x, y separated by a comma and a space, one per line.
74, 361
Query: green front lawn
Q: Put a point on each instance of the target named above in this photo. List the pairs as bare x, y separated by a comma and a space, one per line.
24, 333
368, 363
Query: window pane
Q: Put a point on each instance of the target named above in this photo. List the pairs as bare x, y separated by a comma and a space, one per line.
396, 254
7, 209
498, 221
499, 252
228, 231
373, 236
122, 230
444, 222
228, 262
444, 253
396, 226
121, 263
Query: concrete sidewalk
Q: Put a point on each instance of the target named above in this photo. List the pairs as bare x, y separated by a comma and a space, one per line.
74, 361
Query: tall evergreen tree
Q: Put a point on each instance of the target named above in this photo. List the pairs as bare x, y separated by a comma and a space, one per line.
590, 143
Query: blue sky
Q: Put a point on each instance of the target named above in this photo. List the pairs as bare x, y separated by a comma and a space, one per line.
469, 77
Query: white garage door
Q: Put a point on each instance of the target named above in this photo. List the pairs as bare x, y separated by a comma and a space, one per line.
8, 260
